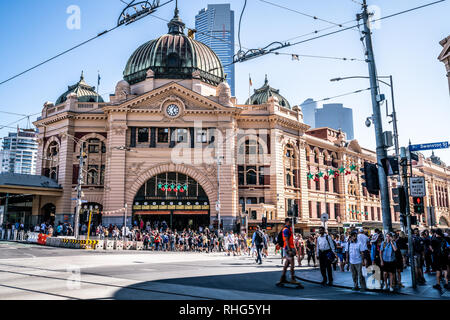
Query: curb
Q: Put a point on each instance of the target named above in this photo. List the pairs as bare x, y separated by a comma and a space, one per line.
350, 288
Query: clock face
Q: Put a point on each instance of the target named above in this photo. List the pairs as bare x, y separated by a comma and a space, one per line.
173, 110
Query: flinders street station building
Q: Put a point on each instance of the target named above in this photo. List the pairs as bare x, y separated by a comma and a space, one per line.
173, 144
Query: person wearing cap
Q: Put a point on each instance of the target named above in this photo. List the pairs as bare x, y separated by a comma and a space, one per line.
289, 253
355, 256
387, 256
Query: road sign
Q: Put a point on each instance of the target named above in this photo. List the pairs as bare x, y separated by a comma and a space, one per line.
417, 187
428, 146
324, 217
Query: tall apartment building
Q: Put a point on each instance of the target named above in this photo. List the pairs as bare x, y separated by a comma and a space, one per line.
215, 28
19, 152
336, 116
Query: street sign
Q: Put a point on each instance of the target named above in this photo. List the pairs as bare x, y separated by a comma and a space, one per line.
84, 201
324, 217
417, 187
428, 146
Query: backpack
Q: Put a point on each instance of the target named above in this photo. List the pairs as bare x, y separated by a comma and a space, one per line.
279, 240
258, 237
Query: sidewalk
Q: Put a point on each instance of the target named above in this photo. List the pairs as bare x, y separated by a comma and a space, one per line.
344, 280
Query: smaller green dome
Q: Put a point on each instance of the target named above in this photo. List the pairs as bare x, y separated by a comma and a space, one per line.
84, 92
262, 95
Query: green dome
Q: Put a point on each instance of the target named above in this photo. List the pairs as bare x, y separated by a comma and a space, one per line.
84, 92
262, 95
174, 56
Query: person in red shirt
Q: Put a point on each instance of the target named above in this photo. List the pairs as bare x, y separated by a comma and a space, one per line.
289, 253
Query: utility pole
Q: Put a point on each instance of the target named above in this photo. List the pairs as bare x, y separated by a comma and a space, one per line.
404, 164
79, 192
381, 151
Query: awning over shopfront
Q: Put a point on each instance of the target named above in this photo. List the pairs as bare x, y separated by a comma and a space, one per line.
13, 183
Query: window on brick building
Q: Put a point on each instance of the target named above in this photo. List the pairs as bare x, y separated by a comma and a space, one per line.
143, 134
318, 209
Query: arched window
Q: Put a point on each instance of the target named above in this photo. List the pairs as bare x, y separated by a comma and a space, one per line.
92, 177
290, 165
316, 156
173, 60
51, 161
334, 162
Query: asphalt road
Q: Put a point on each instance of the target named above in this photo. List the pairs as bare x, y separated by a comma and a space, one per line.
36, 272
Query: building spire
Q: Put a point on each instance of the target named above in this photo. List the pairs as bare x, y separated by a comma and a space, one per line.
266, 81
176, 25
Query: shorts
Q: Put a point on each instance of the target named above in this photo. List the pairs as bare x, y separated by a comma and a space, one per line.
340, 256
285, 253
418, 260
404, 252
231, 247
439, 263
389, 266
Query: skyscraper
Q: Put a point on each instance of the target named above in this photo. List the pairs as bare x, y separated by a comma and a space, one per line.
19, 152
336, 116
309, 107
215, 28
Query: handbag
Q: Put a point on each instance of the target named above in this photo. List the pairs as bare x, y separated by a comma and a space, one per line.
330, 254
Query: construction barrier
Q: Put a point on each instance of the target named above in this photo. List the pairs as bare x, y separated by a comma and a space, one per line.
109, 245
100, 245
128, 245
118, 245
139, 245
42, 239
32, 237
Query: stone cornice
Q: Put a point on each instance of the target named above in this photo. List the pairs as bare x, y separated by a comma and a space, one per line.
172, 87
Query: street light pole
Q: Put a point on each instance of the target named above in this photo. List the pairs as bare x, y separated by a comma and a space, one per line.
79, 192
381, 151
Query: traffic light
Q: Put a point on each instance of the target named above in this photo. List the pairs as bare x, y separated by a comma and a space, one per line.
264, 223
418, 205
398, 196
370, 176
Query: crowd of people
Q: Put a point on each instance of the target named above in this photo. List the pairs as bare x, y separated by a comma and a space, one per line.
351, 251
388, 253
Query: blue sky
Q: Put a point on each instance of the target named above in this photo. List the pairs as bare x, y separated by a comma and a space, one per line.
406, 46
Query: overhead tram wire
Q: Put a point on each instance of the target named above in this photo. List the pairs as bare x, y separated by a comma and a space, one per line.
341, 25
85, 42
319, 57
256, 53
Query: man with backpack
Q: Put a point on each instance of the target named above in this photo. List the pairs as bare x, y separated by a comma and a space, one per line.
258, 242
288, 252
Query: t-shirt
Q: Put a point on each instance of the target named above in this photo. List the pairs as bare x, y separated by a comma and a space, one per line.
354, 252
387, 250
362, 239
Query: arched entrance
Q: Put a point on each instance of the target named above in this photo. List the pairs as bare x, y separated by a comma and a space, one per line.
48, 213
175, 198
443, 222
